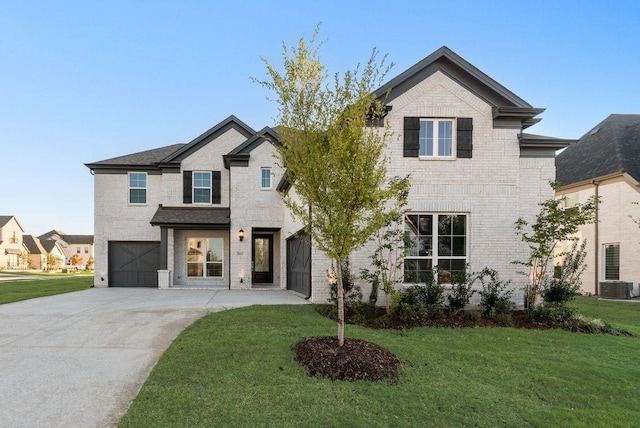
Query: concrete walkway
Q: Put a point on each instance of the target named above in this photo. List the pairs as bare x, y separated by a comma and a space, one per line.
78, 359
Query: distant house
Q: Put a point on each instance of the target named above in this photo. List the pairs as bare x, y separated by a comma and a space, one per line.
606, 162
53, 249
37, 253
10, 242
210, 213
82, 245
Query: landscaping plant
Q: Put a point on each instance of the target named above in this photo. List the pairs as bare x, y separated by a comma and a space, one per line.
553, 224
333, 151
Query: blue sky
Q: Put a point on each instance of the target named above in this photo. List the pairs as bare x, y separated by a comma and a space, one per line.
82, 81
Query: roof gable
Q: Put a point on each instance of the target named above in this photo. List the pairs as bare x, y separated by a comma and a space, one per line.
240, 155
5, 219
505, 104
231, 122
33, 245
612, 146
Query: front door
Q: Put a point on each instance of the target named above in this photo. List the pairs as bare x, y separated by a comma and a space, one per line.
262, 259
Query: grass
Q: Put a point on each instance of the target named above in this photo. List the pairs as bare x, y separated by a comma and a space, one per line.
236, 368
13, 291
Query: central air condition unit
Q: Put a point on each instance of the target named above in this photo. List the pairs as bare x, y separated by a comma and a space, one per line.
616, 289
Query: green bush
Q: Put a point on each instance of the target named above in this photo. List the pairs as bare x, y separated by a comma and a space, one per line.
495, 298
553, 312
461, 291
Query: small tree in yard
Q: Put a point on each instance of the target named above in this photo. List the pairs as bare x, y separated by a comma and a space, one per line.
76, 260
24, 260
331, 152
554, 224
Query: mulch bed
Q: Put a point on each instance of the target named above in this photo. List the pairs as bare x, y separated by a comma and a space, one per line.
355, 360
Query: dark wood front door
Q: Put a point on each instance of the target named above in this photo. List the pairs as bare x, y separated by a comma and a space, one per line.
262, 259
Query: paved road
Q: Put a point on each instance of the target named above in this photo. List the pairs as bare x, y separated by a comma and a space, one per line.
78, 359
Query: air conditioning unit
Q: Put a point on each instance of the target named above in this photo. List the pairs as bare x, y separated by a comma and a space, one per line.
616, 289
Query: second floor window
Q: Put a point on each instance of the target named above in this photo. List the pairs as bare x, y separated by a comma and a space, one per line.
201, 187
137, 187
436, 138
265, 179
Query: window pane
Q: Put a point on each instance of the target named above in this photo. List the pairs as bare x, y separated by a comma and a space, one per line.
137, 196
444, 138
425, 246
214, 247
417, 270
426, 225
459, 246
202, 179
459, 225
214, 269
195, 251
612, 262
202, 196
138, 179
444, 246
266, 178
444, 225
194, 269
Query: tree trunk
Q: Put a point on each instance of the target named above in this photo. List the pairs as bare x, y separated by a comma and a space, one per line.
340, 293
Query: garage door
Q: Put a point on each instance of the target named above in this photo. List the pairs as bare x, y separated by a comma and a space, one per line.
299, 264
134, 264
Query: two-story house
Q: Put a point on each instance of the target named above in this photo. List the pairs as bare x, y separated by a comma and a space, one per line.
210, 213
72, 245
605, 162
11, 246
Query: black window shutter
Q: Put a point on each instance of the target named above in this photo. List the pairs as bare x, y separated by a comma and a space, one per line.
215, 187
465, 137
187, 187
411, 137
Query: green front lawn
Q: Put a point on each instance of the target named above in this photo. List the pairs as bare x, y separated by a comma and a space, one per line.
235, 368
15, 290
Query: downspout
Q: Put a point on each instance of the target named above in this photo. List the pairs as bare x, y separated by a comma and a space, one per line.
229, 235
597, 238
310, 260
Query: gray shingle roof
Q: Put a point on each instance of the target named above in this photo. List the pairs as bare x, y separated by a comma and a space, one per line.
612, 146
33, 244
78, 239
48, 244
4, 219
187, 217
146, 158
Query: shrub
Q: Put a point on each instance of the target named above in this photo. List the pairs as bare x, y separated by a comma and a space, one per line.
495, 298
553, 312
461, 292
566, 281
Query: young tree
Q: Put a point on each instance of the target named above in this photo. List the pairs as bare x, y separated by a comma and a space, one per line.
24, 260
76, 260
53, 262
332, 151
554, 224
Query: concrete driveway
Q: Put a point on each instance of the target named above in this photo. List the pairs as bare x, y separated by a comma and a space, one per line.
78, 359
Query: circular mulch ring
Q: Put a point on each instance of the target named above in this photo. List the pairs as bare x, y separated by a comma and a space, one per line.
356, 360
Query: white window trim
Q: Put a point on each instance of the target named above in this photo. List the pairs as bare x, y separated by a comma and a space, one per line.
435, 256
193, 187
435, 121
146, 188
204, 262
266, 168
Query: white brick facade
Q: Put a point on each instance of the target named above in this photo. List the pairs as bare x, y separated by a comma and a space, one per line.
493, 187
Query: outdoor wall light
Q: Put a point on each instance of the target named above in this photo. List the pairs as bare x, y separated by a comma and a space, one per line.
241, 235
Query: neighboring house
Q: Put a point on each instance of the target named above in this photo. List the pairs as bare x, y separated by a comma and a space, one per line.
10, 242
37, 253
82, 245
210, 213
606, 162
53, 249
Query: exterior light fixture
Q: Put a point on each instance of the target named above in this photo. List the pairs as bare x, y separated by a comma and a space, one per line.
241, 235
